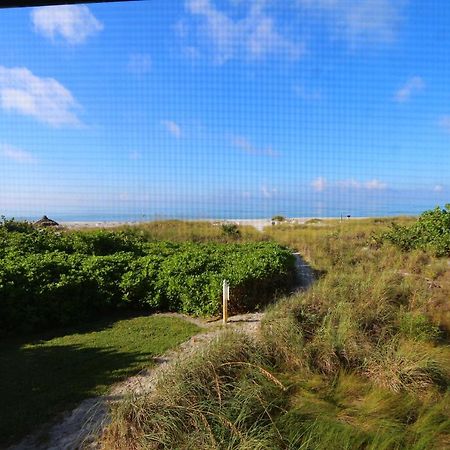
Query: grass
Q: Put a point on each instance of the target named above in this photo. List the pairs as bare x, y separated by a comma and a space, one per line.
359, 361
42, 376
195, 231
212, 400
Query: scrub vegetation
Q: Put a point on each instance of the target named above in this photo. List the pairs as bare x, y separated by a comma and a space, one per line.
359, 361
53, 278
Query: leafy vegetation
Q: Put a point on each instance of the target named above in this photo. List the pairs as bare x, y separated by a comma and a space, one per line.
50, 278
430, 233
359, 361
230, 229
44, 375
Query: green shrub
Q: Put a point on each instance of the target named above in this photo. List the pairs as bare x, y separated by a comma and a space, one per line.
12, 224
430, 233
230, 230
103, 242
50, 278
53, 289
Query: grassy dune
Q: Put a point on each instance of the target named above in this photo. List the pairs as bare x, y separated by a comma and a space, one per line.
195, 231
360, 361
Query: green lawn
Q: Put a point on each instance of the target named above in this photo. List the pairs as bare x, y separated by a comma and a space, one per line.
44, 375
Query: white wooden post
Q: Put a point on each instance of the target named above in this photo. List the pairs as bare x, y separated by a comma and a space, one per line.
225, 299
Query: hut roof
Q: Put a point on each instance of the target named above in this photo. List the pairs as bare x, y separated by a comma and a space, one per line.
46, 222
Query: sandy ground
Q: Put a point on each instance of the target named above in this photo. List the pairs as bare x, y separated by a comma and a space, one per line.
81, 427
259, 224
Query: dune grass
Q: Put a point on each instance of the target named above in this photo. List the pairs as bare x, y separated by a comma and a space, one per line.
359, 361
44, 375
194, 231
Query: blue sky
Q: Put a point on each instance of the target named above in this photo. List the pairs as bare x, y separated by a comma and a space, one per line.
225, 108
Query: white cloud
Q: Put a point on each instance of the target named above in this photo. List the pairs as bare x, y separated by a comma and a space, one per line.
191, 53
16, 154
73, 23
370, 185
245, 145
139, 63
134, 156
359, 21
375, 185
267, 192
252, 37
373, 20
444, 122
319, 184
349, 184
304, 93
438, 188
412, 86
181, 29
44, 99
172, 127
264, 39
123, 196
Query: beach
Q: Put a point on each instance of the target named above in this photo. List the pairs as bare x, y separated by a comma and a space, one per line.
259, 224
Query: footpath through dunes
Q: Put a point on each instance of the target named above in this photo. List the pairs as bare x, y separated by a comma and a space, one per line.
81, 427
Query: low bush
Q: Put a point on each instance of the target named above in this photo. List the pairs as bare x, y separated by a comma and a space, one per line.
50, 278
53, 289
188, 277
14, 225
231, 230
430, 233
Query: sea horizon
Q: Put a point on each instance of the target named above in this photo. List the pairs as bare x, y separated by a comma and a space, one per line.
383, 206
137, 217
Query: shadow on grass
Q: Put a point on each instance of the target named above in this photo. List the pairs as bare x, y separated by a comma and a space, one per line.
43, 375
89, 325
38, 382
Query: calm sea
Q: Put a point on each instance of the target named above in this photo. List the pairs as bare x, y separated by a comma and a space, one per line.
220, 213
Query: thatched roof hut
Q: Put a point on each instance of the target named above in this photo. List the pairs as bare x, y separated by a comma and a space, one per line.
46, 222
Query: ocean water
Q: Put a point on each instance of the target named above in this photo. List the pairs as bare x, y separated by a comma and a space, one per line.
381, 205
221, 213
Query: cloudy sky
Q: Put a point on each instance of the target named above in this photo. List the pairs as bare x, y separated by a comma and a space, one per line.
225, 107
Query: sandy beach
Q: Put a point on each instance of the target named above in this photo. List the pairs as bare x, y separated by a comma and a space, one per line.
259, 224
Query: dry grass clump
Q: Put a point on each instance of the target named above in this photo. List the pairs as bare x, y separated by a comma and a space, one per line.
195, 231
213, 400
410, 365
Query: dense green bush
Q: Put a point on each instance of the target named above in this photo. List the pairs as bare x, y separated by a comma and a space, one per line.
230, 230
52, 289
52, 278
188, 277
15, 225
99, 242
430, 233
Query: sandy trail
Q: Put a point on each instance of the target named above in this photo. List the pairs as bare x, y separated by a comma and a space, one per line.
80, 427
